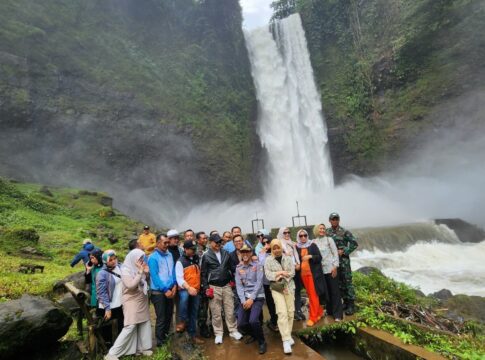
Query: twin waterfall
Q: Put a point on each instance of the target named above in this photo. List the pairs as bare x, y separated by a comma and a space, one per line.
291, 124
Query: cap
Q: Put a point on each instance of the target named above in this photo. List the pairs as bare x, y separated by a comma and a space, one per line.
172, 233
263, 232
87, 241
189, 244
216, 238
268, 237
146, 227
246, 248
334, 215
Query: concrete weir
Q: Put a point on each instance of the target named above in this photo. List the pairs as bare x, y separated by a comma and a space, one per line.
367, 343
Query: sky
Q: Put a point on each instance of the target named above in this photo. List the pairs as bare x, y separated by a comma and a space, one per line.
256, 13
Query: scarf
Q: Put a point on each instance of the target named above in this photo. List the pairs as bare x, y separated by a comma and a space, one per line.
129, 268
301, 245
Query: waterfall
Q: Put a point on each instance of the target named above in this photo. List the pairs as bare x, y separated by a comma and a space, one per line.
291, 125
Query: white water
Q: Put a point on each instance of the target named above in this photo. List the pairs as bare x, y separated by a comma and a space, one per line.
291, 125
432, 266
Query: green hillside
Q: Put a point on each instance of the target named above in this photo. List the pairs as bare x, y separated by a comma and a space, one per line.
51, 228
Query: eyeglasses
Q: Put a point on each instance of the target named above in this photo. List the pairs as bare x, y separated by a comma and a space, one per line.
265, 242
303, 235
259, 235
286, 232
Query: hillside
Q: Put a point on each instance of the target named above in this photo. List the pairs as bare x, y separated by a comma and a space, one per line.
114, 95
385, 69
47, 228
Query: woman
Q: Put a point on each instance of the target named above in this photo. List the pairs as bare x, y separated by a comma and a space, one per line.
289, 249
330, 263
280, 271
93, 267
109, 289
264, 252
136, 336
311, 275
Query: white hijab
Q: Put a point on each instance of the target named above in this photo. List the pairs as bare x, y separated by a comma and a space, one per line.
129, 268
289, 247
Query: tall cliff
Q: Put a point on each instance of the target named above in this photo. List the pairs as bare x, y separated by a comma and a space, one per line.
386, 67
116, 94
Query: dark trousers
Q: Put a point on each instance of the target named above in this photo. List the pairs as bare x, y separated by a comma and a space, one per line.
116, 313
334, 305
164, 311
251, 318
271, 305
203, 315
297, 280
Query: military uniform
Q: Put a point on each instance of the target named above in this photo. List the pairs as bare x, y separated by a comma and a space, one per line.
344, 240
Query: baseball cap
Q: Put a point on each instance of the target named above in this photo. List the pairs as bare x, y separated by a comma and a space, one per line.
146, 227
189, 244
334, 215
246, 248
216, 238
263, 232
87, 241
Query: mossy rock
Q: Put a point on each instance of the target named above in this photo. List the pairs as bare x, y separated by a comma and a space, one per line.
23, 235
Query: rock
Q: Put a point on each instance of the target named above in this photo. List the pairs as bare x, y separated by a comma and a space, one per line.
467, 307
443, 294
419, 293
106, 201
29, 250
465, 231
88, 193
67, 302
75, 196
28, 235
367, 270
30, 323
77, 279
112, 238
45, 190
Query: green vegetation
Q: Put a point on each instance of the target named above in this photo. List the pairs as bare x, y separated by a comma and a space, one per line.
48, 230
181, 64
374, 290
382, 66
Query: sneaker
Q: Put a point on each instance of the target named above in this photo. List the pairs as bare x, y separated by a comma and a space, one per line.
236, 335
291, 341
286, 347
111, 357
218, 339
338, 320
147, 352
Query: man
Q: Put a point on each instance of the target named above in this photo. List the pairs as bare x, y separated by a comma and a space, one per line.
265, 251
249, 284
229, 246
147, 241
187, 271
173, 247
164, 287
201, 237
346, 244
226, 237
216, 274
83, 255
189, 235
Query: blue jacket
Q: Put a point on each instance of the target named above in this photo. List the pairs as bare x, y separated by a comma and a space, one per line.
83, 254
162, 271
105, 286
249, 281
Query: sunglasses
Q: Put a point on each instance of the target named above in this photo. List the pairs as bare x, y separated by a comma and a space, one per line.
286, 232
259, 235
303, 235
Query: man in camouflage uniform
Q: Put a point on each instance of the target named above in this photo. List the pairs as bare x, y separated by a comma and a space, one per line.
346, 244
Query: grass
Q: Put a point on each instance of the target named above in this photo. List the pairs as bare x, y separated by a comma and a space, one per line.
61, 223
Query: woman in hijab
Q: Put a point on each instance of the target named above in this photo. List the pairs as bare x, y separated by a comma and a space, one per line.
330, 263
93, 267
311, 274
280, 271
136, 336
289, 249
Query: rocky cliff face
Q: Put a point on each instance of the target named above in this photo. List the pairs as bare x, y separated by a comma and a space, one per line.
386, 68
117, 94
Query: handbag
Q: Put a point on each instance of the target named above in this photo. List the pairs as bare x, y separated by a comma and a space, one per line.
278, 286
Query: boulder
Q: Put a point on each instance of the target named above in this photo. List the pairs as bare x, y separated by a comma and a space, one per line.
106, 201
45, 190
30, 323
465, 231
367, 270
466, 307
68, 303
443, 294
77, 279
112, 238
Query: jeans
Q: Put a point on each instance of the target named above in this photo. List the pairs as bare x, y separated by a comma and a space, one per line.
188, 308
163, 310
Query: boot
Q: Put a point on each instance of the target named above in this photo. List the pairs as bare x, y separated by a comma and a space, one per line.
350, 309
262, 347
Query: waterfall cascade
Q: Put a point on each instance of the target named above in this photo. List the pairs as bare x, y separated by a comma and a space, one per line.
291, 124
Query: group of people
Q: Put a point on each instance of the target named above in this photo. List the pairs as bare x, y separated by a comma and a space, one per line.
211, 279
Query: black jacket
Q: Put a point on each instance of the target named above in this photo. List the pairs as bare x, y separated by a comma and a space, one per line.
213, 272
317, 270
